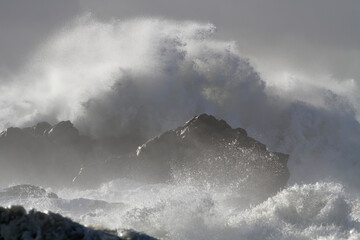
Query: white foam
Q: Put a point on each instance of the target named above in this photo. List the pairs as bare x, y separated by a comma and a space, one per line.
144, 76
324, 210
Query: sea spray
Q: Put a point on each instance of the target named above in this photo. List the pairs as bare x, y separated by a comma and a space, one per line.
137, 78
323, 210
143, 76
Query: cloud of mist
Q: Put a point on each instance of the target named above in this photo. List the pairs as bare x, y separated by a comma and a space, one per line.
144, 76
140, 75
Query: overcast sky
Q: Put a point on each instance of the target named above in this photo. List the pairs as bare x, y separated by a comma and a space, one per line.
310, 37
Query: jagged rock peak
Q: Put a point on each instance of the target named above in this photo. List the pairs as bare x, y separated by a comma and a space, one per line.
41, 127
61, 132
205, 125
205, 120
42, 147
38, 129
12, 132
214, 152
62, 128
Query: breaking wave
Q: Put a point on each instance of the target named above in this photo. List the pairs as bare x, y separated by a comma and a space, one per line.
140, 77
324, 210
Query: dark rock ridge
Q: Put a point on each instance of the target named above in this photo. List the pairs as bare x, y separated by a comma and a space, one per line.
46, 154
42, 154
205, 151
16, 223
208, 151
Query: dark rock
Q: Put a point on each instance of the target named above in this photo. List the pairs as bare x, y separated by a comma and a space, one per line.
40, 128
16, 223
209, 151
63, 132
53, 154
13, 135
204, 149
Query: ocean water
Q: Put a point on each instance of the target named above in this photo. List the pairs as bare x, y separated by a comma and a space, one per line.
322, 210
141, 77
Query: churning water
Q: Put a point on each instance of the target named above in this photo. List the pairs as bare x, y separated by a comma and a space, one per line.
145, 76
324, 210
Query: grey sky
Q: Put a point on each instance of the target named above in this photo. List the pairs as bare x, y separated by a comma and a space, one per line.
315, 37
25, 24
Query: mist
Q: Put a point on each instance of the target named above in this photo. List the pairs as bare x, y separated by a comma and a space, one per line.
103, 120
137, 78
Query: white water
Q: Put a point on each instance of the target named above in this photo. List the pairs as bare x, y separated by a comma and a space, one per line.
145, 76
309, 211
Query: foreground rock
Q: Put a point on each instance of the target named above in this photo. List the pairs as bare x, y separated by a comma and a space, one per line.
208, 151
16, 223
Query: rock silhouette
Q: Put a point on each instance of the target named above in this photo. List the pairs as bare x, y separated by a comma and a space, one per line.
43, 154
16, 223
204, 151
208, 151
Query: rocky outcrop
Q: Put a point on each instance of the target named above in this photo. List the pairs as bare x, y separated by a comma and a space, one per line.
208, 151
16, 223
53, 154
63, 132
38, 129
204, 150
56, 153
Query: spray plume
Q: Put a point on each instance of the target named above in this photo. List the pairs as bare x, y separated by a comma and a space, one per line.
144, 76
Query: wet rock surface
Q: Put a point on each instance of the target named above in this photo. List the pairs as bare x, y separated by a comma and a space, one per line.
204, 150
208, 151
16, 223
